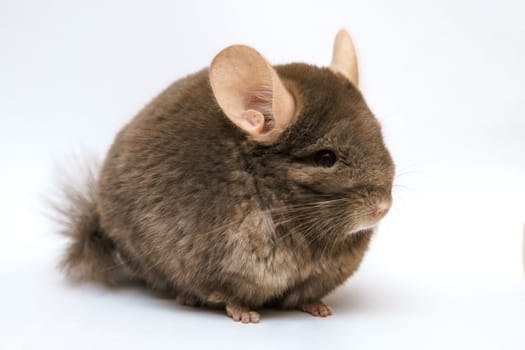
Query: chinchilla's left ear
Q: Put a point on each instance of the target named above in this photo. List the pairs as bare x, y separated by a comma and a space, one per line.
344, 59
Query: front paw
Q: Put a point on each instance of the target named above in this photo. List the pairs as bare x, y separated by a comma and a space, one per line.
316, 309
241, 314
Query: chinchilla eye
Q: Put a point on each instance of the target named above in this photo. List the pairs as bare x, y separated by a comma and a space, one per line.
325, 158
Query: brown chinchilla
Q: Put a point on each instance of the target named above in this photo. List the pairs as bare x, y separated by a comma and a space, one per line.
243, 185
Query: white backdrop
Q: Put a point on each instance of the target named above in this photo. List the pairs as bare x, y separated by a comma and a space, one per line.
446, 79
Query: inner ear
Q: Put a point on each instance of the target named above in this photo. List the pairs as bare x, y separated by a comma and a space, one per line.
253, 121
260, 100
250, 93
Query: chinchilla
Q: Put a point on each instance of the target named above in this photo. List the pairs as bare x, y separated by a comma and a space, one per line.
243, 185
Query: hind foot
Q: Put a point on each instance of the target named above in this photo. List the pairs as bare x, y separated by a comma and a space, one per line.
188, 300
243, 315
316, 309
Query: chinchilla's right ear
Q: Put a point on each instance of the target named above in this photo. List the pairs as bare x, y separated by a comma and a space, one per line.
251, 94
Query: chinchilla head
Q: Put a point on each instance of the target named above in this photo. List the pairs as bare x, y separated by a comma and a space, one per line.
313, 145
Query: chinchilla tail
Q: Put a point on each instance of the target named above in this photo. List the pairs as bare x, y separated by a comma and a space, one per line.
90, 254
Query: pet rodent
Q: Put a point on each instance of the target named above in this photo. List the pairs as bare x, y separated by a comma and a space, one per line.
243, 185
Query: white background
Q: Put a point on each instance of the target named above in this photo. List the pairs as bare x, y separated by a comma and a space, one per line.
447, 80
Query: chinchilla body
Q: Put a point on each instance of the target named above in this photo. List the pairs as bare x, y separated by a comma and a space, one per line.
267, 200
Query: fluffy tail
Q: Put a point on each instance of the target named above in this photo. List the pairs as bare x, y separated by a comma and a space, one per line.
90, 254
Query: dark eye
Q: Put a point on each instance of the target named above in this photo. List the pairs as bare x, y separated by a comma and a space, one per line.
325, 158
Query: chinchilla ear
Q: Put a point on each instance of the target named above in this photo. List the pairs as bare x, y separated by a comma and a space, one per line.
344, 59
251, 94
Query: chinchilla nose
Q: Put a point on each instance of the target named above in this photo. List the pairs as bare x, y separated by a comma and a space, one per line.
381, 208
